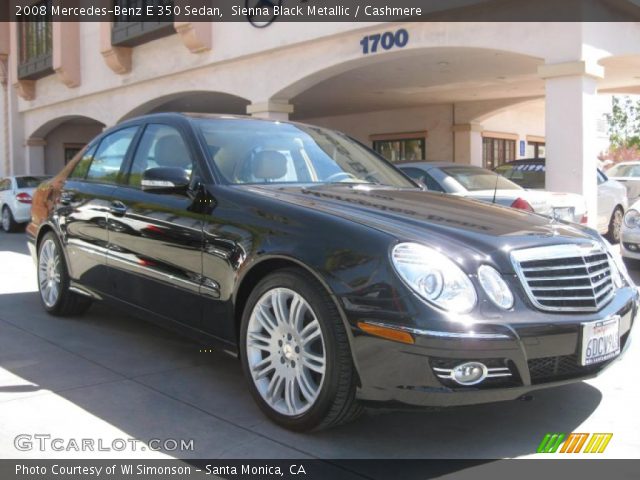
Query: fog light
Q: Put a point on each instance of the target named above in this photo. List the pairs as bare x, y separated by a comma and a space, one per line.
469, 373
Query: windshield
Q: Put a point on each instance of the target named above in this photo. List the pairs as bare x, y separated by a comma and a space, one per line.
476, 179
30, 182
248, 151
629, 170
527, 175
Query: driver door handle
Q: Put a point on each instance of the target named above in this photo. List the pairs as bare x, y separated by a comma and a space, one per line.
118, 208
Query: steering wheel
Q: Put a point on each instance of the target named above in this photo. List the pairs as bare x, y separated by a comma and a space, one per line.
336, 176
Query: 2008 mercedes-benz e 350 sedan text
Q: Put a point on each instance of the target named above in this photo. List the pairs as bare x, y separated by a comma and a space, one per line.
335, 278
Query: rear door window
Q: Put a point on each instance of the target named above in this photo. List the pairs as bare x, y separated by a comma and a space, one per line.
30, 182
107, 161
423, 177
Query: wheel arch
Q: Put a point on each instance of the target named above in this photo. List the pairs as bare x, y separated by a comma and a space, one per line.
268, 265
45, 228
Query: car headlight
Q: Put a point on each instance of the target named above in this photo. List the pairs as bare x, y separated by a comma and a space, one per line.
619, 273
434, 277
495, 287
632, 218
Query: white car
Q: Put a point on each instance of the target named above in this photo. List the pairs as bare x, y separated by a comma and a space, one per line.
15, 199
612, 196
627, 173
630, 233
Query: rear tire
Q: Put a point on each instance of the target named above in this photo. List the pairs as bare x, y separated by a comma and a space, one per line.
295, 353
53, 280
615, 225
8, 222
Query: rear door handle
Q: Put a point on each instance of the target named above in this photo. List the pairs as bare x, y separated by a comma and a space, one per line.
118, 208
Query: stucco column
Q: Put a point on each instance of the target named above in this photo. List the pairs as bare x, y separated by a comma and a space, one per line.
34, 153
271, 110
5, 167
467, 146
570, 125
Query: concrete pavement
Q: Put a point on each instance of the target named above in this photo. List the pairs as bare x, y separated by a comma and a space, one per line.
107, 375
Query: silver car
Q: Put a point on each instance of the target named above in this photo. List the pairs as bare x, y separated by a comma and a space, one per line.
478, 183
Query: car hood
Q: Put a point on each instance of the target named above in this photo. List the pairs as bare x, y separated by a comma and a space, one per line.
439, 219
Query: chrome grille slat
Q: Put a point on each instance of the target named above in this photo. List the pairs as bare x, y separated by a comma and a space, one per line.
558, 278
556, 287
583, 271
582, 297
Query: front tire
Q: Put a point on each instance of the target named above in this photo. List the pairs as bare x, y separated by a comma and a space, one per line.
8, 222
615, 225
53, 280
295, 353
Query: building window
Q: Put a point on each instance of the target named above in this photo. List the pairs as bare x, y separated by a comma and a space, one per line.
129, 31
35, 45
70, 151
496, 151
536, 149
401, 147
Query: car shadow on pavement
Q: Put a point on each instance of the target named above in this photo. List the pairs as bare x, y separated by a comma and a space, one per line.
13, 242
108, 366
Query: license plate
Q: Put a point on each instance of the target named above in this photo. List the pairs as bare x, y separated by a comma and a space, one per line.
600, 340
564, 213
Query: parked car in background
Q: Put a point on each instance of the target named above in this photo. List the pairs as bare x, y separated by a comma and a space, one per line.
612, 195
477, 183
332, 275
15, 199
628, 174
630, 233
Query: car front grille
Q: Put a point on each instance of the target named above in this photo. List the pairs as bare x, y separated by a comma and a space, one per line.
570, 277
551, 369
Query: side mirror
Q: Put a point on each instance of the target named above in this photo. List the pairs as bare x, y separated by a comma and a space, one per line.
165, 180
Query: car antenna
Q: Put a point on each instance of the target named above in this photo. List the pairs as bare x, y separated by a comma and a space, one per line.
495, 188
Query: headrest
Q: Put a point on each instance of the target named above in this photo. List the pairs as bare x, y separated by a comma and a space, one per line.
269, 165
170, 151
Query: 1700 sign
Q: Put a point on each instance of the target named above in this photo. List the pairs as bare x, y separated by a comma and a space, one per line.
386, 41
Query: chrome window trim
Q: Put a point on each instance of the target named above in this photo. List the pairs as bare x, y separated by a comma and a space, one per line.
561, 251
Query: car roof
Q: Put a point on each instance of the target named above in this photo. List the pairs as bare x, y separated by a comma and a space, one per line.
37, 175
627, 162
526, 161
435, 165
195, 115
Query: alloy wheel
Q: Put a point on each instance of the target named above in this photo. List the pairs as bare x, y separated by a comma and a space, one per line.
49, 273
617, 224
6, 221
286, 351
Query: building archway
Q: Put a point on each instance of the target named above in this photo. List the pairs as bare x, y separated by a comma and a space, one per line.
420, 100
193, 102
54, 143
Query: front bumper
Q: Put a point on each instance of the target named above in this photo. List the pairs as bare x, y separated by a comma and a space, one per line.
540, 350
630, 243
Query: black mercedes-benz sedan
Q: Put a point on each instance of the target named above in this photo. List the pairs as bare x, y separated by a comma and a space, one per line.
336, 280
